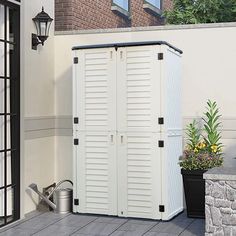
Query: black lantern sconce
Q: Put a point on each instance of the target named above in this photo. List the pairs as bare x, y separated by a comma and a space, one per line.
42, 22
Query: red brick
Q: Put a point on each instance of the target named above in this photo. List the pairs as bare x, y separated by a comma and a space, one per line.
97, 14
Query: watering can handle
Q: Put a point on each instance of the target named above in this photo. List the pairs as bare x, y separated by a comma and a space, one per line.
61, 182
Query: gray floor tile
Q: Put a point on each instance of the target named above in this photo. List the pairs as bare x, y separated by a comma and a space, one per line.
38, 223
127, 233
114, 220
77, 221
159, 234
17, 232
197, 228
33, 214
50, 224
57, 230
144, 222
129, 226
176, 226
98, 229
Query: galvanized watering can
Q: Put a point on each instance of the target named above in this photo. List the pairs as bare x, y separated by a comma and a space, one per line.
62, 198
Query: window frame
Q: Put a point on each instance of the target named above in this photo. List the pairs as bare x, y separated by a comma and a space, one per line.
161, 3
152, 9
13, 114
120, 10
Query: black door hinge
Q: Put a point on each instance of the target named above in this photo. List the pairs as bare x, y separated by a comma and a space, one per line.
76, 141
161, 120
76, 60
76, 202
76, 120
161, 208
161, 143
160, 56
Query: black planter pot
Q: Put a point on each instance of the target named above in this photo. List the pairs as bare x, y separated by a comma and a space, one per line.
194, 188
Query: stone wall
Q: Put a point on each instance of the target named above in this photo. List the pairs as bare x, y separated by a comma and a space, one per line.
220, 208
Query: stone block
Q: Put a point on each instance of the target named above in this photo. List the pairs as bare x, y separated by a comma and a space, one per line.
226, 210
233, 231
209, 187
233, 206
222, 203
219, 233
221, 183
209, 226
218, 191
209, 200
232, 184
229, 220
227, 231
216, 216
231, 194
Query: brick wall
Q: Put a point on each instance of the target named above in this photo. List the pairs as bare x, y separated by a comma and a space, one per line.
97, 14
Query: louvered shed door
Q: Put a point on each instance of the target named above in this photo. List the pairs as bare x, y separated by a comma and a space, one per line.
139, 175
139, 161
96, 90
96, 153
138, 89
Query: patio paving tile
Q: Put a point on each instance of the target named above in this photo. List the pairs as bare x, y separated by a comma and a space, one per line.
17, 232
197, 228
98, 229
128, 233
36, 224
159, 234
113, 220
57, 230
134, 228
77, 221
50, 224
175, 226
144, 222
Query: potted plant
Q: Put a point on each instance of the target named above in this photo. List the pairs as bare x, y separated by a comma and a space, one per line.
203, 152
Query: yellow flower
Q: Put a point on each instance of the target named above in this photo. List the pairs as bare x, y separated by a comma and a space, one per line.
214, 148
195, 150
201, 145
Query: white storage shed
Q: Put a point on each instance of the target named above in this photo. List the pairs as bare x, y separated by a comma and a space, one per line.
127, 130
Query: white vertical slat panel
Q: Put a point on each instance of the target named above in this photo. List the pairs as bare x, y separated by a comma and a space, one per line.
96, 89
139, 175
96, 152
97, 181
138, 88
172, 190
75, 133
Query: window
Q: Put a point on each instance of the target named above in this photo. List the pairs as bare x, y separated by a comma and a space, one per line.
122, 3
121, 7
153, 7
155, 3
9, 112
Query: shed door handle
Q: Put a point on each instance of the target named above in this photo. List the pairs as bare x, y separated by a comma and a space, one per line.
121, 139
112, 138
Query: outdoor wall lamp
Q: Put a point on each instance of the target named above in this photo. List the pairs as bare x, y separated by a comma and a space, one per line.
42, 22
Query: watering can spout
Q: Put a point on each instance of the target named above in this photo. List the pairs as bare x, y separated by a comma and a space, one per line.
34, 187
